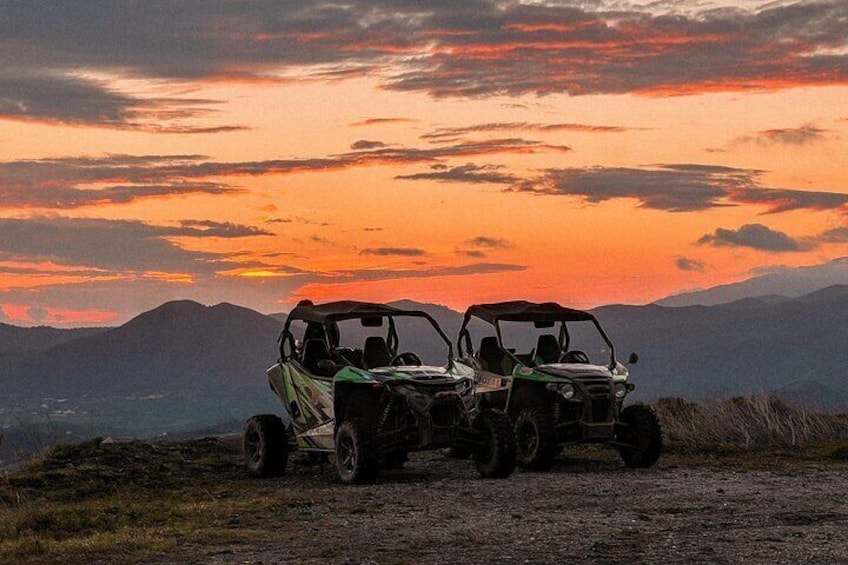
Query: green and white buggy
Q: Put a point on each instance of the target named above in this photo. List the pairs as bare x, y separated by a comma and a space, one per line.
552, 391
368, 407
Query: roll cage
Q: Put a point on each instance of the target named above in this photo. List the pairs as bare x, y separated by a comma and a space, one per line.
326, 316
523, 311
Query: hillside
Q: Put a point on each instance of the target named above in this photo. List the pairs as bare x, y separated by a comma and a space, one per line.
17, 339
746, 346
177, 367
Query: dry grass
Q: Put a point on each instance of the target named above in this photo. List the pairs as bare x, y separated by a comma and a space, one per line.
756, 423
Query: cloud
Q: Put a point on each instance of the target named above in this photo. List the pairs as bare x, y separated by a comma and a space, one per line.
783, 200
208, 228
382, 121
804, 135
454, 132
678, 188
487, 242
688, 264
754, 236
674, 188
468, 173
75, 182
68, 99
394, 251
63, 58
115, 245
834, 235
365, 144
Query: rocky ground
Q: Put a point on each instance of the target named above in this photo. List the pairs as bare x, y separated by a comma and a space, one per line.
194, 504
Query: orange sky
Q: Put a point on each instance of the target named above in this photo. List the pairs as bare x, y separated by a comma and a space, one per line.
461, 154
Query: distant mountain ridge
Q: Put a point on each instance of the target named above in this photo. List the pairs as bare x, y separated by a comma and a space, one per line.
186, 366
18, 339
781, 282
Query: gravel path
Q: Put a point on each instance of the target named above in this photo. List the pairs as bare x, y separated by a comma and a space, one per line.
437, 511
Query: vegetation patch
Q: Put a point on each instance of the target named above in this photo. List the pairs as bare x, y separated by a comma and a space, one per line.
751, 424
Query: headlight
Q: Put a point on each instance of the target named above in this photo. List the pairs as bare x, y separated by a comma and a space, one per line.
567, 391
620, 390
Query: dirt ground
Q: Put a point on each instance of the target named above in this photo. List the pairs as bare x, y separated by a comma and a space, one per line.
587, 509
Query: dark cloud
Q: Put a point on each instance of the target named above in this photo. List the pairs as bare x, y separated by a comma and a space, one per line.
446, 49
488, 242
803, 135
114, 245
783, 200
834, 235
469, 173
68, 99
382, 121
398, 251
208, 228
754, 236
795, 136
73, 182
674, 188
678, 188
476, 253
456, 132
688, 264
365, 144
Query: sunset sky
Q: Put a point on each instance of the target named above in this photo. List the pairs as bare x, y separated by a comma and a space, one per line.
451, 152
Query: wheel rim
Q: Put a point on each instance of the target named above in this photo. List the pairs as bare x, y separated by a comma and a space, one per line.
527, 439
253, 446
346, 454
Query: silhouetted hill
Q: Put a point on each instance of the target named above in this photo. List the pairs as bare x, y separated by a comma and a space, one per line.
14, 338
192, 365
782, 282
734, 348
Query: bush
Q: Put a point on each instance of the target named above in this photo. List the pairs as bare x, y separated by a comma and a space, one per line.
745, 424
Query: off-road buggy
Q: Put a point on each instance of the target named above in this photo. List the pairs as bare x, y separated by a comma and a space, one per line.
368, 407
554, 393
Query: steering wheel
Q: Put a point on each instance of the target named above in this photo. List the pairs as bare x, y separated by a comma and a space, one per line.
408, 358
574, 356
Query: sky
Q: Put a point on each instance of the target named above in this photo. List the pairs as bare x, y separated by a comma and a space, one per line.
263, 152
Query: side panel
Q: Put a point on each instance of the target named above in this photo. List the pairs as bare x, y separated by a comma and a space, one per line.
309, 402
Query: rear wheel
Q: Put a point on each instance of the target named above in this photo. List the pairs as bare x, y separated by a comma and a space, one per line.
265, 447
357, 452
536, 437
642, 433
496, 457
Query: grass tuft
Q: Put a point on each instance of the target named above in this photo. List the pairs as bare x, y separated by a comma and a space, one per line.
747, 424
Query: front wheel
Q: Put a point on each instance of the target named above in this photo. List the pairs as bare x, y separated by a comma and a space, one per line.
536, 437
642, 432
496, 457
265, 446
357, 452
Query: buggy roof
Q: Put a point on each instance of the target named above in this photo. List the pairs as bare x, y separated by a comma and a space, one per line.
346, 310
523, 311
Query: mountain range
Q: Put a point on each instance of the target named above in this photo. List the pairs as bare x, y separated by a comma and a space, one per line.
775, 283
184, 366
